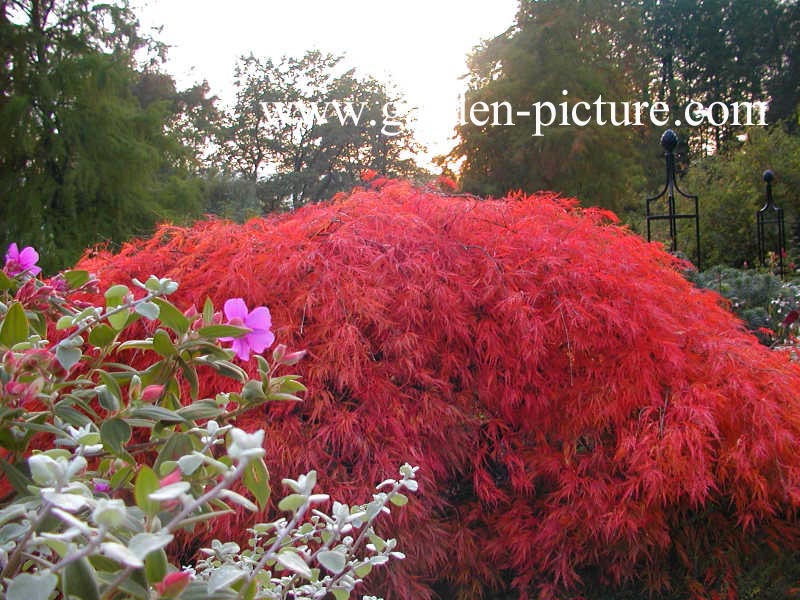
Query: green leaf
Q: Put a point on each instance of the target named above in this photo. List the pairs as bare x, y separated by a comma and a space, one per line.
79, 580
172, 317
362, 571
146, 483
333, 560
340, 594
176, 446
75, 418
294, 562
76, 278
399, 499
163, 344
101, 335
65, 322
202, 409
157, 413
253, 391
106, 399
111, 384
279, 397
116, 294
155, 566
121, 477
15, 326
208, 311
291, 502
218, 331
191, 376
136, 345
19, 480
115, 433
256, 480
118, 320
148, 310
28, 586
5, 282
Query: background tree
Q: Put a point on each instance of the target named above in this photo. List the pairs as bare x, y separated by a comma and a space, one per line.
720, 51
675, 51
83, 157
296, 159
557, 45
730, 184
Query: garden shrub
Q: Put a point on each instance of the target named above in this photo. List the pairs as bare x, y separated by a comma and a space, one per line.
104, 464
583, 417
763, 300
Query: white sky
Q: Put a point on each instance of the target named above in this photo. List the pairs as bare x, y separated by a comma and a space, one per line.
419, 45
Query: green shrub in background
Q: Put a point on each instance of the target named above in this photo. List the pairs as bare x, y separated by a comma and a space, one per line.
762, 300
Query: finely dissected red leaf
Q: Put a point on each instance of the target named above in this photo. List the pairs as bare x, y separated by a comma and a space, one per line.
579, 411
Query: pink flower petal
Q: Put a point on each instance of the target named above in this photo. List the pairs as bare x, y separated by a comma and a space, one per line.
259, 341
28, 256
12, 253
235, 308
259, 319
241, 347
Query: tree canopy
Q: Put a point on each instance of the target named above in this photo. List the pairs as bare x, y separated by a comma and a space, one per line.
567, 52
304, 129
82, 158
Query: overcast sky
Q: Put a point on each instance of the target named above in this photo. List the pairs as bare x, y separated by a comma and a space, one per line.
419, 45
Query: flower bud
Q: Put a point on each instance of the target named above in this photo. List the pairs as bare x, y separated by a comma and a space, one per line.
173, 584
152, 393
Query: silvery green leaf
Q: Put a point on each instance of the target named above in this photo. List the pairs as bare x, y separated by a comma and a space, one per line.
12, 531
68, 502
238, 499
143, 544
333, 560
32, 586
411, 485
121, 554
172, 491
45, 470
67, 356
110, 513
11, 512
223, 577
189, 464
294, 562
149, 310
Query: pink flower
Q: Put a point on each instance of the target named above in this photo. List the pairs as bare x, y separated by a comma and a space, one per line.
21, 262
258, 322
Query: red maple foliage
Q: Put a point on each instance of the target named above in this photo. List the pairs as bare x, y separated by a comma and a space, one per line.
580, 412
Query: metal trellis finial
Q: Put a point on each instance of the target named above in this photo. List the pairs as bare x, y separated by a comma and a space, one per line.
669, 140
771, 215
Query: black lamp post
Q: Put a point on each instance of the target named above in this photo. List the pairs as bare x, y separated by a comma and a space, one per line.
668, 141
771, 216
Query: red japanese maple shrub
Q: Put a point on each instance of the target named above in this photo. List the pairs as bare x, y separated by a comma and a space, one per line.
581, 414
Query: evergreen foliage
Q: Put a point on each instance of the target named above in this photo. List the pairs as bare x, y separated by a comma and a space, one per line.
82, 158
